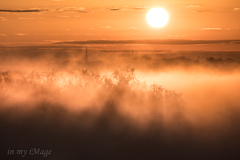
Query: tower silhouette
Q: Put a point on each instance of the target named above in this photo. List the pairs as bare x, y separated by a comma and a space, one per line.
86, 56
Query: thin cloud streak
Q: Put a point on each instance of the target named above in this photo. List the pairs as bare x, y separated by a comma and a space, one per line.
211, 29
20, 10
191, 6
20, 34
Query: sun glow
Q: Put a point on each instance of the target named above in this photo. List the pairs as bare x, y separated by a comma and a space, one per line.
157, 17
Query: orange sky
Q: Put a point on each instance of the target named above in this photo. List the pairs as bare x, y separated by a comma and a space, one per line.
57, 20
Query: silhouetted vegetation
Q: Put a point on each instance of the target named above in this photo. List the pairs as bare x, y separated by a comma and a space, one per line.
97, 108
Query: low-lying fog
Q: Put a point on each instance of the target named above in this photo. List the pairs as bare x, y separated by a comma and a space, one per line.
128, 104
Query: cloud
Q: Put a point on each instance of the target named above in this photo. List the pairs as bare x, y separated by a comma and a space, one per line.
63, 16
53, 41
3, 35
129, 28
144, 7
20, 34
83, 11
75, 9
24, 18
236, 9
138, 8
52, 9
154, 41
114, 9
211, 29
92, 34
21, 10
200, 10
124, 8
191, 6
81, 8
107, 27
69, 9
135, 28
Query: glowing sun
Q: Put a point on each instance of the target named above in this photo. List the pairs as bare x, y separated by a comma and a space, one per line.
157, 17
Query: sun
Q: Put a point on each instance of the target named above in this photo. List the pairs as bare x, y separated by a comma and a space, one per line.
157, 17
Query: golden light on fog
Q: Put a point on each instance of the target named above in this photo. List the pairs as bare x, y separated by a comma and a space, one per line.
157, 17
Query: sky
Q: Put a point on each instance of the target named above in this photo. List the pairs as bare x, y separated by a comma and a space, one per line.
77, 20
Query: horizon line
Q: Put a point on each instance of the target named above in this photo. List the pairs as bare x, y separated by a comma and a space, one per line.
154, 41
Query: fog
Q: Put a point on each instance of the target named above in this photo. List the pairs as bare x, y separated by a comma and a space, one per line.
119, 104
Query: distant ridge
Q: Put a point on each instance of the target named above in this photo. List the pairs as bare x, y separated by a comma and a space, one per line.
155, 41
